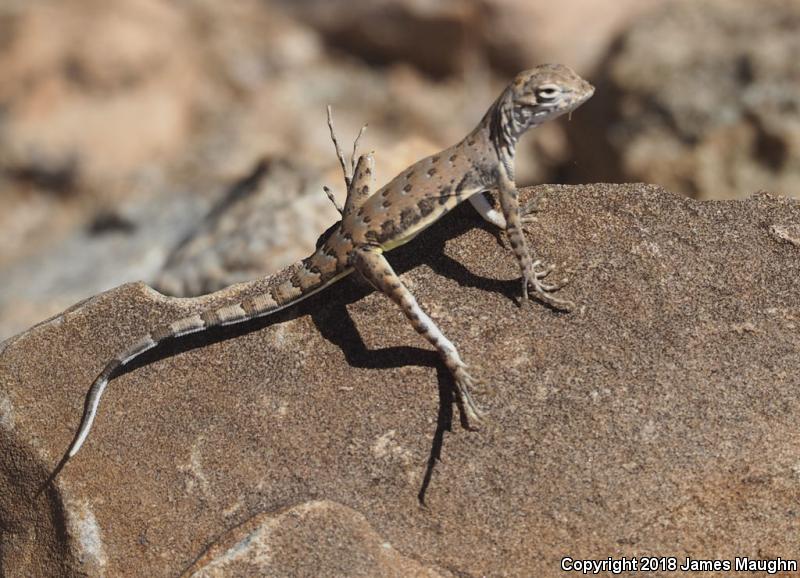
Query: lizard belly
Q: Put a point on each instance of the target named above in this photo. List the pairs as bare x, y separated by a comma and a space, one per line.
411, 232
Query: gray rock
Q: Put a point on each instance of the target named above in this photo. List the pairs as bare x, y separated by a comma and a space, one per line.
265, 222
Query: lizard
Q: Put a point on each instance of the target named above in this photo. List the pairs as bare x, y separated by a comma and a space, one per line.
373, 223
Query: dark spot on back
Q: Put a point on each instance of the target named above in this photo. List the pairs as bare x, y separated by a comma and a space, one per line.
470, 141
444, 196
364, 189
386, 204
409, 174
408, 187
327, 251
310, 266
462, 183
388, 231
408, 218
453, 157
323, 238
426, 206
431, 171
435, 158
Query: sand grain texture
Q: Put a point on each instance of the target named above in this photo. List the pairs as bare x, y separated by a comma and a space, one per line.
661, 418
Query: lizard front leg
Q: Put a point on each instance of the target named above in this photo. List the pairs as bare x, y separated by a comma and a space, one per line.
374, 267
481, 204
531, 278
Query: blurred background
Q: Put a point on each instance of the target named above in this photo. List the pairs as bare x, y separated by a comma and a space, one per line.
184, 142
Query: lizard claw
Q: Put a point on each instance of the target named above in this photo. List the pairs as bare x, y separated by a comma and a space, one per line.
544, 271
533, 206
471, 415
543, 290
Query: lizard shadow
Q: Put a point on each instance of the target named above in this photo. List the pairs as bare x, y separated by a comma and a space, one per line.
335, 324
460, 221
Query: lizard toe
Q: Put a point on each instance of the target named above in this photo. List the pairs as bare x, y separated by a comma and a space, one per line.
471, 414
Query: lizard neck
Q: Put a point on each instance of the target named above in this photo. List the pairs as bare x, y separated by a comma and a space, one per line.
499, 131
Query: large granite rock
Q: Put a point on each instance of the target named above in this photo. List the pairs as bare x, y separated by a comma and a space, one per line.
661, 417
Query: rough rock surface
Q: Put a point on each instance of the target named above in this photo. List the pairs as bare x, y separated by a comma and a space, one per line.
662, 417
702, 97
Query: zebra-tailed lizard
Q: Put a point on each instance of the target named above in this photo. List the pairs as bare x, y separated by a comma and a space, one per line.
373, 223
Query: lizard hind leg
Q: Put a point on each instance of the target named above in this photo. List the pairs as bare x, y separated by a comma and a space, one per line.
374, 267
359, 188
361, 185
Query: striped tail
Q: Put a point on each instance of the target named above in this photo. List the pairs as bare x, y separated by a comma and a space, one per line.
285, 288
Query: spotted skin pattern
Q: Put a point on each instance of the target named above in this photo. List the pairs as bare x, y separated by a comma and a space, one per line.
372, 224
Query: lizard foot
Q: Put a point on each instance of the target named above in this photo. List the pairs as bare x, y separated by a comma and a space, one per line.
471, 416
528, 210
533, 282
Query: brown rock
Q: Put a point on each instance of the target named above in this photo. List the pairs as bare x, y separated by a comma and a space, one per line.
659, 417
519, 33
79, 81
440, 37
452, 37
702, 98
334, 540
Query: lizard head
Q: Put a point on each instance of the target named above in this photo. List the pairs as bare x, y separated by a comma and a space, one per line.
544, 92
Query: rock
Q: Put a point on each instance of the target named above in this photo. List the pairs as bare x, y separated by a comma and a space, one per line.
44, 279
454, 37
701, 97
332, 537
518, 33
440, 37
266, 221
79, 80
659, 417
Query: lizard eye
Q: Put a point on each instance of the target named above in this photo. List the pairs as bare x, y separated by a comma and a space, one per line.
546, 93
